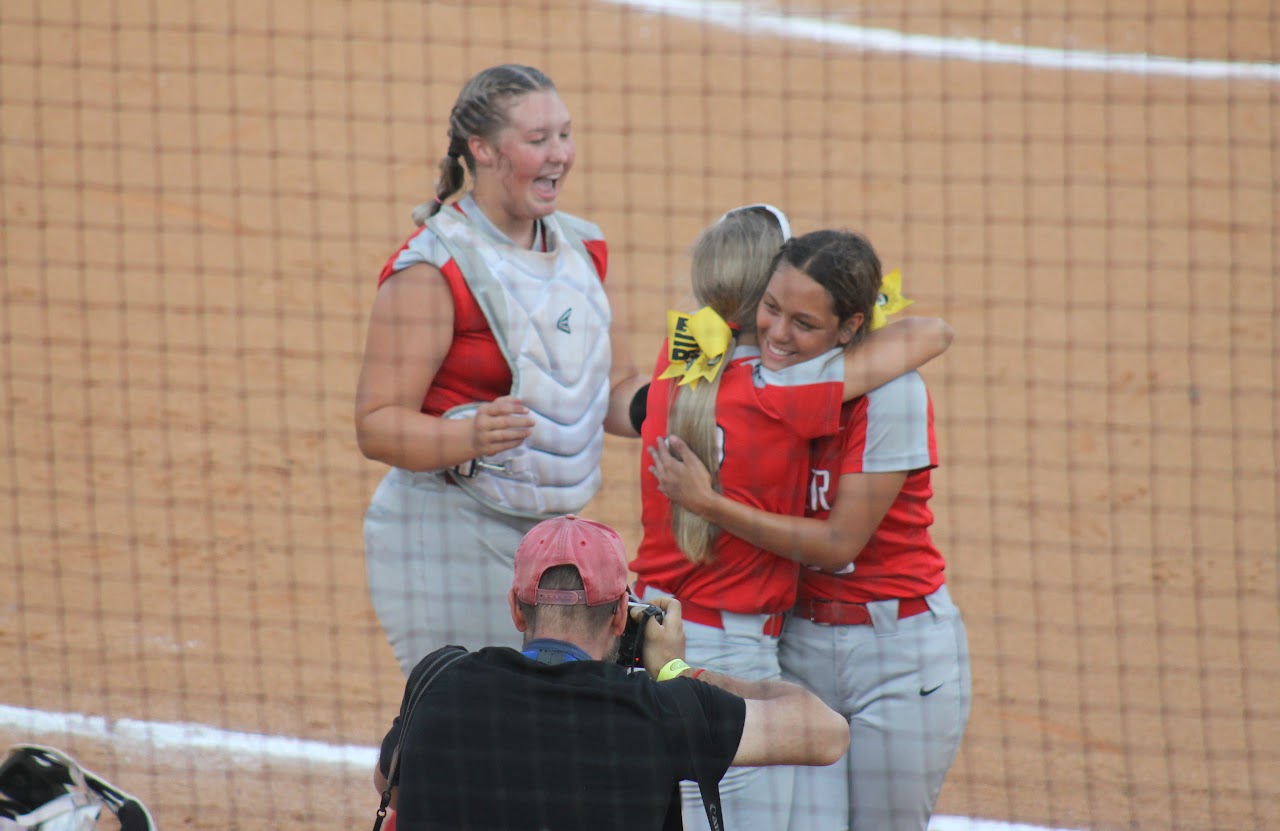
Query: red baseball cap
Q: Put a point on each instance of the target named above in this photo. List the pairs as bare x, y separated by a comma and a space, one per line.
595, 549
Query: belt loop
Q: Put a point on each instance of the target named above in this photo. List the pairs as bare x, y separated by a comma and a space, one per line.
737, 624
884, 616
939, 601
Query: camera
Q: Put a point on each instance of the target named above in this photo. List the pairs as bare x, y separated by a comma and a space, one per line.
631, 648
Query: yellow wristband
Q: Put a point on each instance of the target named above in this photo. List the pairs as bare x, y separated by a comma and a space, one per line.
672, 670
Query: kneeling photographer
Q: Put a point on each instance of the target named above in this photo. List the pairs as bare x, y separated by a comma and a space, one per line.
559, 736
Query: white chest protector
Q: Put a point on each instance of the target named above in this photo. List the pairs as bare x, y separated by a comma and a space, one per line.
550, 316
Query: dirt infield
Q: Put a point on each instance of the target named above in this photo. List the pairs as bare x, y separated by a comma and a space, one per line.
196, 201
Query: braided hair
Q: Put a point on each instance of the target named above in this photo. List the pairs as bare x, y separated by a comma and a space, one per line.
481, 110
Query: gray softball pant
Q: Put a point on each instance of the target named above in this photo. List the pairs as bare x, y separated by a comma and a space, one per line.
440, 565
904, 685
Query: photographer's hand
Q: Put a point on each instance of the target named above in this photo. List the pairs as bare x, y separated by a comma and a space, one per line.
663, 642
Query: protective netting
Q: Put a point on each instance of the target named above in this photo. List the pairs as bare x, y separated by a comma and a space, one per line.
196, 201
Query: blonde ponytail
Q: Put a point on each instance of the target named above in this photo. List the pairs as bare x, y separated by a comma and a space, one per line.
693, 419
730, 269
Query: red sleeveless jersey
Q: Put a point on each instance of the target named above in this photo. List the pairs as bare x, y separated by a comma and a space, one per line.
474, 368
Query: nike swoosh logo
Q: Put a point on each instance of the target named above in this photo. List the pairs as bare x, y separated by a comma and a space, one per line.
930, 691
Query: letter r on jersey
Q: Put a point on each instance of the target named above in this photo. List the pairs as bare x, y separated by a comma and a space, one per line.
819, 484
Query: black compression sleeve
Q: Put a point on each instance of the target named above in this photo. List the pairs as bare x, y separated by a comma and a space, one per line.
639, 407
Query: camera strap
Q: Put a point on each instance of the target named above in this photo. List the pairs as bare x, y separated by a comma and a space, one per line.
431, 667
698, 733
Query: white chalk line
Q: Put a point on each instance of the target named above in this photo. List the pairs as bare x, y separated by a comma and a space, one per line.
745, 18
185, 736
133, 734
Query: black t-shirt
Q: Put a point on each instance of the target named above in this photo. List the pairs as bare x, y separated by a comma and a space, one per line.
501, 741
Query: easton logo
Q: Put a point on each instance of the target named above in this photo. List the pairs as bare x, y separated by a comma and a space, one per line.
562, 323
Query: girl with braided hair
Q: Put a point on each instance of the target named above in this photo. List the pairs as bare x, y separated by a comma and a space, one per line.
491, 371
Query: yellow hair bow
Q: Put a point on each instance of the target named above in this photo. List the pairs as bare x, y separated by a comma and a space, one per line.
696, 345
889, 301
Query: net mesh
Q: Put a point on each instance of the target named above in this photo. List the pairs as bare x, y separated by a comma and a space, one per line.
196, 201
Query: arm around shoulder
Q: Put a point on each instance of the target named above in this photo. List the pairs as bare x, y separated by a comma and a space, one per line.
894, 350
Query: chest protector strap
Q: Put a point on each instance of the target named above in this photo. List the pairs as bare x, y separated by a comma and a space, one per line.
550, 316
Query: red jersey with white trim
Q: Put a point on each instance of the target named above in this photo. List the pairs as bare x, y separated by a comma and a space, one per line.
887, 430
474, 368
766, 422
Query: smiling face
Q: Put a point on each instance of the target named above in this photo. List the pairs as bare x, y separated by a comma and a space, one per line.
520, 172
796, 319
